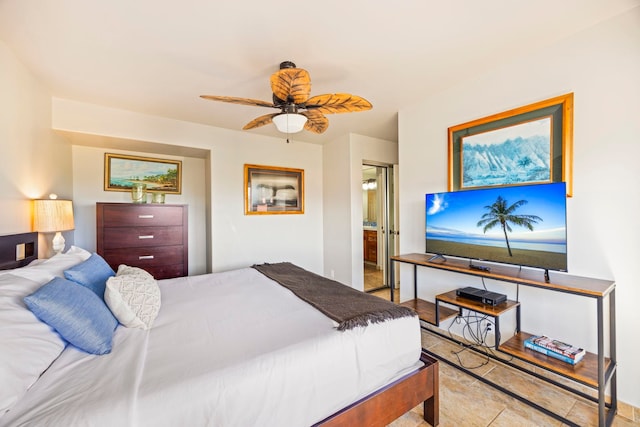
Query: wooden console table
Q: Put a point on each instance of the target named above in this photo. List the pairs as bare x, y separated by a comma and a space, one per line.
595, 370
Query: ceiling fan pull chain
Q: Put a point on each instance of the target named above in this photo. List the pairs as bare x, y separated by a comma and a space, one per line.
288, 134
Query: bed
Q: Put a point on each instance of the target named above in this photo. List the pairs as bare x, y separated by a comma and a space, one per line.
235, 348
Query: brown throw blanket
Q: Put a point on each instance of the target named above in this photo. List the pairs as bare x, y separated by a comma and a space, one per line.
347, 306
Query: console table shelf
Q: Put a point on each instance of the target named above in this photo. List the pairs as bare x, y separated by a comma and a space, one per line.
490, 310
508, 273
427, 311
585, 372
595, 370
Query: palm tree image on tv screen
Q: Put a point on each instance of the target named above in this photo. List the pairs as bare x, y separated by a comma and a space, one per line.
522, 225
500, 214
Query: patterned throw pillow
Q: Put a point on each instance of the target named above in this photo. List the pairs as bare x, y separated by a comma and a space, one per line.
133, 296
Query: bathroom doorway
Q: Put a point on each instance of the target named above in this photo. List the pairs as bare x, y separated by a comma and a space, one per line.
379, 230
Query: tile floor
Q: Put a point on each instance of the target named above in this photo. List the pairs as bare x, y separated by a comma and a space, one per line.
466, 401
372, 277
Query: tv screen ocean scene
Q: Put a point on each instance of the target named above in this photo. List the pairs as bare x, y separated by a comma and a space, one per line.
522, 225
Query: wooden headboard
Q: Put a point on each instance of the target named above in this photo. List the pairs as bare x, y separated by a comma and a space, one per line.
24, 244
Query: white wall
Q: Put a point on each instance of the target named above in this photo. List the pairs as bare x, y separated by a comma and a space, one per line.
343, 159
336, 194
236, 240
600, 66
88, 188
34, 161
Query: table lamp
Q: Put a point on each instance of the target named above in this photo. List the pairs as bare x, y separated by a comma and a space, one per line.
53, 215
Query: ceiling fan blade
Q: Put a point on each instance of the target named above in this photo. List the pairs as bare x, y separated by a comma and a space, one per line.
291, 85
260, 121
242, 101
338, 103
316, 121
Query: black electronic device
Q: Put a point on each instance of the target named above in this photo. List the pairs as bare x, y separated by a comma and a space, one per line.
481, 295
479, 267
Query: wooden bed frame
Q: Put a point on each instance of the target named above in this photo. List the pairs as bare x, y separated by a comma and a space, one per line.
376, 409
392, 401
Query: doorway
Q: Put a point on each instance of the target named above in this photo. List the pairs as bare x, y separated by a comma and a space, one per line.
380, 236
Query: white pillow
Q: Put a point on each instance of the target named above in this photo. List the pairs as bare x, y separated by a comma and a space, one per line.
27, 346
45, 270
133, 296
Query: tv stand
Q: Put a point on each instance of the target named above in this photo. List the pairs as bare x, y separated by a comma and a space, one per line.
595, 370
437, 257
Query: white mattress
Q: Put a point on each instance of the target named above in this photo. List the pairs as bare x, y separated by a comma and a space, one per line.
227, 349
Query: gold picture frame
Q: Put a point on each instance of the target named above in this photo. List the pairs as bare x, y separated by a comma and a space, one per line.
273, 190
526, 145
160, 175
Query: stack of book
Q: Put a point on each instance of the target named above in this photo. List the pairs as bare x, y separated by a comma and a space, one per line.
554, 348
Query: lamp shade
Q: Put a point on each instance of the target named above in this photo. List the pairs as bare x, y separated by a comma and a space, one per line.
52, 215
289, 122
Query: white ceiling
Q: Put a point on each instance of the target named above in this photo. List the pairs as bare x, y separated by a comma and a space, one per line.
158, 56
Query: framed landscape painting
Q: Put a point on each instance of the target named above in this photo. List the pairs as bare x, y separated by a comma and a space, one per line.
526, 145
160, 175
273, 190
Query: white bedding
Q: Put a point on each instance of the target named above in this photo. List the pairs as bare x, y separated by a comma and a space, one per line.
227, 349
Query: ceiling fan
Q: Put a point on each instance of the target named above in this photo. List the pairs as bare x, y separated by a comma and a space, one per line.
291, 87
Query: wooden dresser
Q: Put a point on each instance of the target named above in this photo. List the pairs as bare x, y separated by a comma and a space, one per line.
153, 237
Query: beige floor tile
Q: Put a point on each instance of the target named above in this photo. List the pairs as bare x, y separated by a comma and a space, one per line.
454, 378
510, 418
373, 278
545, 395
469, 359
565, 381
623, 422
519, 415
412, 418
468, 406
463, 400
586, 414
626, 411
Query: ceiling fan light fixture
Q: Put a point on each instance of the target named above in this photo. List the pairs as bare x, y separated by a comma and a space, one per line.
289, 122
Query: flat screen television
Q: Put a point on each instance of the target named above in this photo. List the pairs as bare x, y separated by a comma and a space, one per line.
524, 225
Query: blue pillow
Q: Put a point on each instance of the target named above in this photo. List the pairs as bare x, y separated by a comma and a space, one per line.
91, 273
76, 313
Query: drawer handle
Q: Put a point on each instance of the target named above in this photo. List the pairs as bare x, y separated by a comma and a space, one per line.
150, 236
145, 216
145, 257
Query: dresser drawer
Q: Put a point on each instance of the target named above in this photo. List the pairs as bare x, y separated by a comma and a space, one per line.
130, 237
144, 257
123, 215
